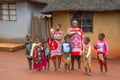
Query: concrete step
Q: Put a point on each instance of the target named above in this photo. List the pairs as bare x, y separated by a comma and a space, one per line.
10, 47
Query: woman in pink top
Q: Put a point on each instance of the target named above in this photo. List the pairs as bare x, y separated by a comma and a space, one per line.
102, 48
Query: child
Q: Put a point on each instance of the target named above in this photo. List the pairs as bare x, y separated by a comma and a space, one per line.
87, 56
37, 54
56, 36
76, 35
66, 49
28, 44
47, 51
102, 47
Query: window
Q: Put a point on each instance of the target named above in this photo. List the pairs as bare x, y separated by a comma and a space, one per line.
8, 12
85, 20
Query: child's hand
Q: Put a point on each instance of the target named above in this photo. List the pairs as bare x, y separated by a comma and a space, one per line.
94, 45
41, 48
81, 53
73, 34
86, 56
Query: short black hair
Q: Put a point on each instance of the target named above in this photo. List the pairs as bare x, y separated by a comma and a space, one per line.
36, 37
59, 25
87, 39
102, 35
65, 37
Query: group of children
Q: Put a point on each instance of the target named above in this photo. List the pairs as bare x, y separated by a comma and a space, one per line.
39, 56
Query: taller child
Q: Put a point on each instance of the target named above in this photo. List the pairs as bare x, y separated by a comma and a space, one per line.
77, 43
102, 48
55, 46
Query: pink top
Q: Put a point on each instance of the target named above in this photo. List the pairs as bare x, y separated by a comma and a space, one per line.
102, 46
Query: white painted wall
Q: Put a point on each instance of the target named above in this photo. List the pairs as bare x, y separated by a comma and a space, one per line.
16, 30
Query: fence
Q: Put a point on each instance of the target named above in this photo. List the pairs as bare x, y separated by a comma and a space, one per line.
40, 26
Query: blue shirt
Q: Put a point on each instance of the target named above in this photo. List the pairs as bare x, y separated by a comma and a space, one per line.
66, 47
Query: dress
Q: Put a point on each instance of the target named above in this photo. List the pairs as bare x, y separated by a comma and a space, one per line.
38, 56
87, 56
76, 42
55, 46
102, 47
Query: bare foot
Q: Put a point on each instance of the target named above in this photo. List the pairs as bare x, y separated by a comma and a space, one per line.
89, 74
85, 73
78, 70
106, 73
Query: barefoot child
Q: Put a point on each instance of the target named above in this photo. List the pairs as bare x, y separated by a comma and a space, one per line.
55, 46
76, 41
47, 51
87, 56
66, 49
102, 47
37, 54
28, 45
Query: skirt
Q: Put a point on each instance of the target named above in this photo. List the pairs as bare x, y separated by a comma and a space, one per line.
102, 59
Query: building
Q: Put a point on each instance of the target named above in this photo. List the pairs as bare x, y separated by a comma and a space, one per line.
15, 18
94, 16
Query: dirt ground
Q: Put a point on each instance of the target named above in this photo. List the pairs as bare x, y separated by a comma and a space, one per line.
13, 66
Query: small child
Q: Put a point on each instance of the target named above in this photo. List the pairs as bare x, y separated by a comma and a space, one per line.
28, 45
87, 56
102, 48
47, 52
66, 49
37, 53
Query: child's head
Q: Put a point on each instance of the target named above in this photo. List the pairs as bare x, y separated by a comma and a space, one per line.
28, 36
86, 40
57, 26
67, 38
101, 36
74, 23
37, 40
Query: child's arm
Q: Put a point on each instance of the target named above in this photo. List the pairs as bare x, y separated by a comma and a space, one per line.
62, 49
89, 51
41, 46
82, 41
51, 35
70, 48
31, 53
95, 46
106, 48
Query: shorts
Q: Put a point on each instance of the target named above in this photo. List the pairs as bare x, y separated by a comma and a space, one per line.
47, 51
67, 58
76, 57
102, 62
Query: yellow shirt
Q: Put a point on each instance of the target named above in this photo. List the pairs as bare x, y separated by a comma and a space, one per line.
33, 45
